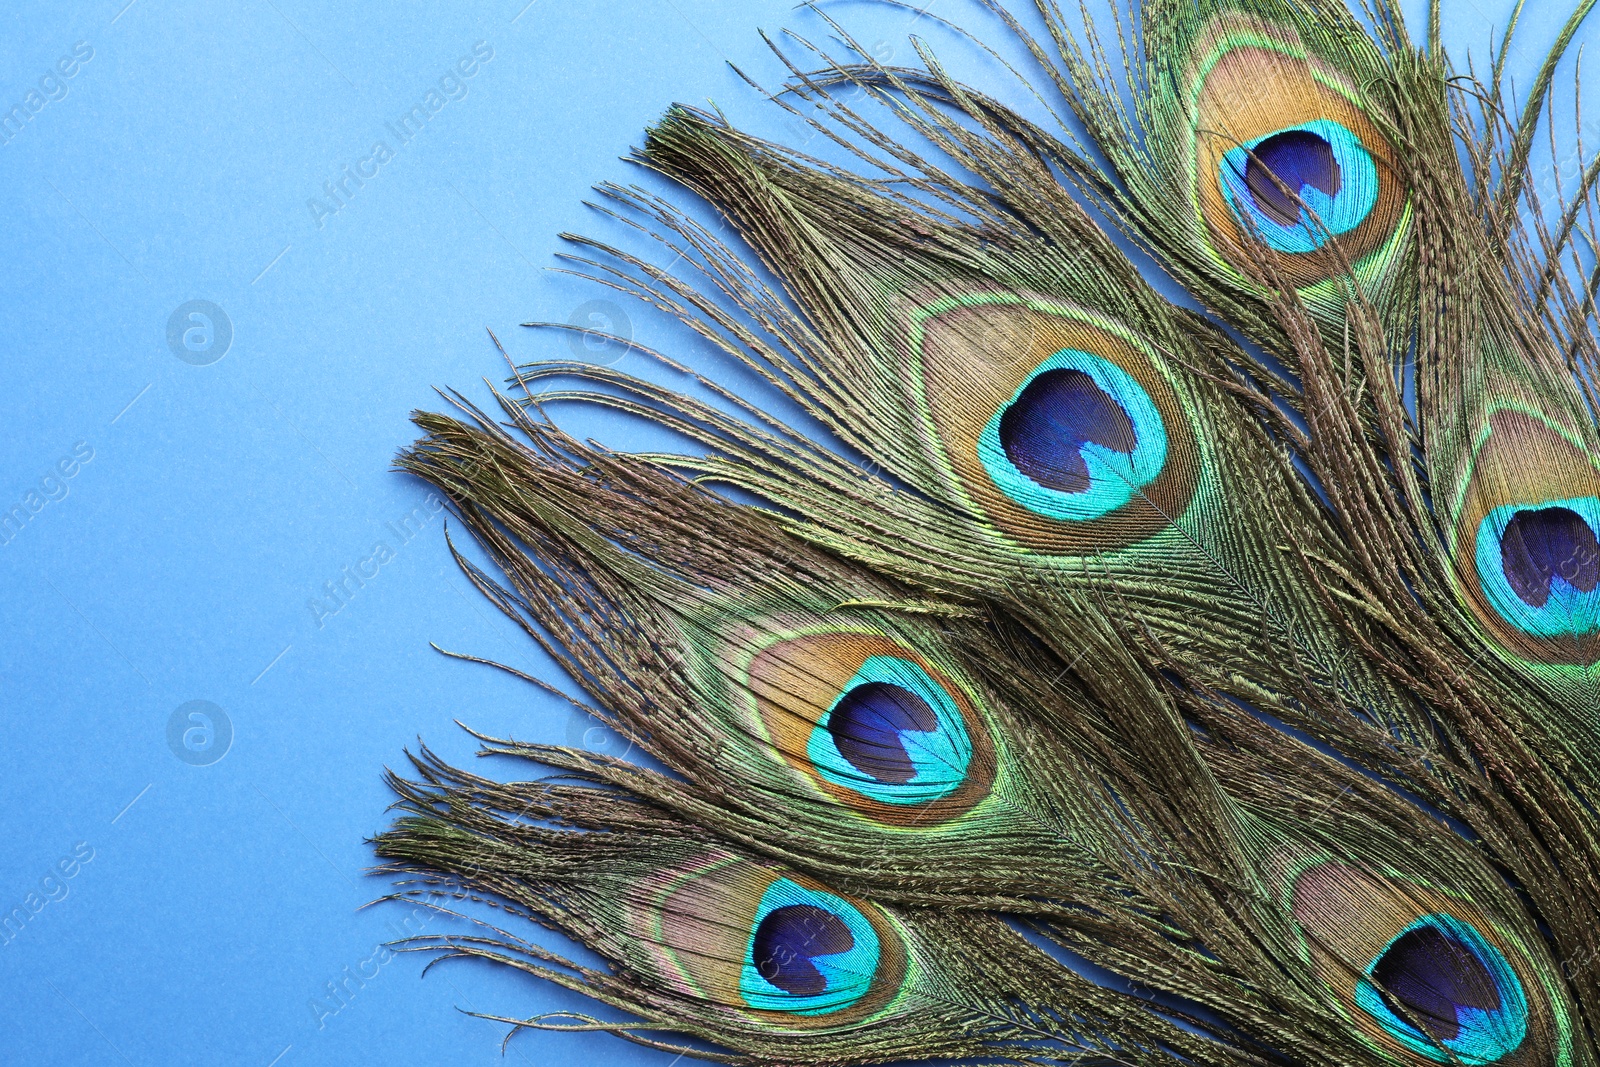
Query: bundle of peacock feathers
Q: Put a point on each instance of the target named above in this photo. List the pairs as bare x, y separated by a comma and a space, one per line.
1124, 684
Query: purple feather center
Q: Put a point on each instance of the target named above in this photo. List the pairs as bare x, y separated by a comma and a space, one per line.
1433, 976
1543, 544
1299, 158
1058, 413
866, 724
789, 938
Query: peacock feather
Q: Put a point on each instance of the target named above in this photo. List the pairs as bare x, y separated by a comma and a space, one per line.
1122, 682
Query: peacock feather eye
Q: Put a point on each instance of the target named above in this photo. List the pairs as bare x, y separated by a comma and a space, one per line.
1060, 426
1299, 187
1288, 161
893, 734
810, 952
874, 725
749, 937
1078, 439
1539, 565
1424, 974
1457, 995
1527, 551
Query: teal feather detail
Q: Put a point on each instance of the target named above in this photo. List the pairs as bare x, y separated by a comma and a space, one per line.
938, 756
817, 921
1560, 598
1113, 475
1322, 214
1482, 1035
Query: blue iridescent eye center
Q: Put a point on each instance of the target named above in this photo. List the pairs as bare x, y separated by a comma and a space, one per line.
1079, 439
1458, 998
1044, 430
790, 938
1541, 545
1329, 185
1299, 159
868, 724
809, 953
894, 735
1539, 565
1435, 976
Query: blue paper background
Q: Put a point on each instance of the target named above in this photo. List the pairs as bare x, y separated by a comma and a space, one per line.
182, 560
